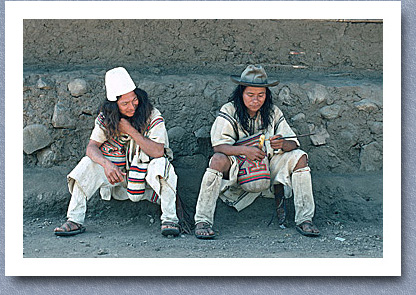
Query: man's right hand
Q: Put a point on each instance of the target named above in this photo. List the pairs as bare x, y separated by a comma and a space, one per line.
254, 153
113, 173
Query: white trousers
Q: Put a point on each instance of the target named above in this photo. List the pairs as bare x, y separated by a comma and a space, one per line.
282, 172
82, 190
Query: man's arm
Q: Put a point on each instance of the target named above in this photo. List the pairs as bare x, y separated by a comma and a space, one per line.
112, 172
252, 153
151, 148
283, 144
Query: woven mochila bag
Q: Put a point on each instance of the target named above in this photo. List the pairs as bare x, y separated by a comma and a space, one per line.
253, 176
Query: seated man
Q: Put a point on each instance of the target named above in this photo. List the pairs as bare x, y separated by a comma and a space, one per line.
250, 111
127, 157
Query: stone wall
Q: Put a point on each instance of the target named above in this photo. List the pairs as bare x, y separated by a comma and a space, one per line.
60, 108
330, 73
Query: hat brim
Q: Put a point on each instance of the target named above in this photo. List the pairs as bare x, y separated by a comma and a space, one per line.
237, 80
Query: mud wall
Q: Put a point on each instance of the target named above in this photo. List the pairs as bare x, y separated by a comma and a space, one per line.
207, 46
330, 75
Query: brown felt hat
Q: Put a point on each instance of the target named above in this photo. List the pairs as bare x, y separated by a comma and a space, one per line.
254, 76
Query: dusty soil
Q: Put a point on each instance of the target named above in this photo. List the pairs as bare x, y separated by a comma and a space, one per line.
349, 215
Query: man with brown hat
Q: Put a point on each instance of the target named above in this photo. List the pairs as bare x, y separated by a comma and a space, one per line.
241, 169
128, 157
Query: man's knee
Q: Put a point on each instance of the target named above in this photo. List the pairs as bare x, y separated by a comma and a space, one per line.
220, 162
302, 163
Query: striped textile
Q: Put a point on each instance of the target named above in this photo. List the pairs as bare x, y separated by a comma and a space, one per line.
249, 141
227, 130
253, 176
233, 122
136, 184
154, 123
113, 149
116, 150
157, 120
136, 180
154, 198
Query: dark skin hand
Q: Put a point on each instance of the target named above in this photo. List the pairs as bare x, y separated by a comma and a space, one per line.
283, 144
112, 172
151, 148
252, 153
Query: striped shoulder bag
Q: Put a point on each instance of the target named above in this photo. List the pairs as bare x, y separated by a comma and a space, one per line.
253, 176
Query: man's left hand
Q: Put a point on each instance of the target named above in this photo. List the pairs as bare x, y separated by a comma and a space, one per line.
282, 144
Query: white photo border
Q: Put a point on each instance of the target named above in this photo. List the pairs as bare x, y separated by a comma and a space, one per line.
17, 11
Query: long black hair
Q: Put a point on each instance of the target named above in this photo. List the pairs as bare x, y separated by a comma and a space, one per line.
241, 110
139, 121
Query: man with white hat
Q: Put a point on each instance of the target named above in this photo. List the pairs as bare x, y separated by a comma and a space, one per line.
127, 157
277, 165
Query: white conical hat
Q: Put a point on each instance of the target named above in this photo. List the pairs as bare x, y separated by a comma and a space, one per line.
118, 82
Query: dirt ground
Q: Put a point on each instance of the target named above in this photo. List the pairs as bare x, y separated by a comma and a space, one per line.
348, 213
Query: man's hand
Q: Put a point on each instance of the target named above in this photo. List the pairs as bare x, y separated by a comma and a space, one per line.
254, 153
125, 127
113, 173
283, 144
276, 143
150, 147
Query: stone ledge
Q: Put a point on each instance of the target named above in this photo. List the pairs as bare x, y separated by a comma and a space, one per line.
352, 197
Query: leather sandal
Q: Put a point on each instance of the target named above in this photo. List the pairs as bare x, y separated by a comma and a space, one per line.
307, 228
204, 227
169, 228
69, 228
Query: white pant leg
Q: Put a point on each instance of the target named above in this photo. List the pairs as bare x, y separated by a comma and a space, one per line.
282, 166
83, 181
208, 195
167, 202
303, 195
77, 205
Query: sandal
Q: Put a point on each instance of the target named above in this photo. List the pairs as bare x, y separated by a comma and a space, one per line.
307, 228
203, 230
69, 228
169, 228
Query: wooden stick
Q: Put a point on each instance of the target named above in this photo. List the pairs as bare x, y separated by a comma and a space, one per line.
293, 136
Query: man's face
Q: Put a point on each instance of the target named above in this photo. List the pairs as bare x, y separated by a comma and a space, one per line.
127, 104
254, 98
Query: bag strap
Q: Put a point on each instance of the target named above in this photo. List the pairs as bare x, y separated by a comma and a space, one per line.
249, 140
